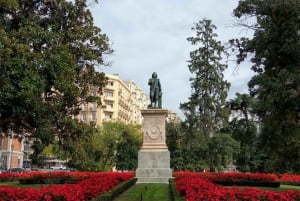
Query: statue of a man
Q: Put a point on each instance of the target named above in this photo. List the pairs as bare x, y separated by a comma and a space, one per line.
155, 91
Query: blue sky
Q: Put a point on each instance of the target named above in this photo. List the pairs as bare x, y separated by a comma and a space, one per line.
150, 36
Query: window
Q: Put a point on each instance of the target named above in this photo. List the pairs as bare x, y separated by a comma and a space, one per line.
94, 93
93, 116
109, 105
110, 83
109, 93
84, 116
108, 116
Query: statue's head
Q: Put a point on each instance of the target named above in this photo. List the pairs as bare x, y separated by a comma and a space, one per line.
154, 75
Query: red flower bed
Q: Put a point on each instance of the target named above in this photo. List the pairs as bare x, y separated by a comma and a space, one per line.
195, 187
290, 178
94, 185
49, 175
235, 176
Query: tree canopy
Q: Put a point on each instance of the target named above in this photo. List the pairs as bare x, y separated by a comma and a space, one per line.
275, 54
49, 51
209, 89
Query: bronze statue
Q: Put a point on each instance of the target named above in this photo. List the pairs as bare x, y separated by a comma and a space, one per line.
155, 91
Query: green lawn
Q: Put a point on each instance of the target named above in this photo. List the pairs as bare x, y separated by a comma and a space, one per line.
289, 187
281, 188
145, 192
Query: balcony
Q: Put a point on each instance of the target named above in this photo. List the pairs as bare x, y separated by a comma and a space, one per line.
108, 98
108, 109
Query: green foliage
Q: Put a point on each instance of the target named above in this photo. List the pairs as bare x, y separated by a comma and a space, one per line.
128, 146
81, 152
205, 112
174, 140
48, 50
39, 179
114, 144
121, 144
173, 193
271, 184
222, 148
275, 56
244, 130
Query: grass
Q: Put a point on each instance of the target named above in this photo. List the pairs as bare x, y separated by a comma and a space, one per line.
281, 188
145, 192
289, 187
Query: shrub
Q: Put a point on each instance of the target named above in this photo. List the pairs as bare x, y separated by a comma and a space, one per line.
173, 193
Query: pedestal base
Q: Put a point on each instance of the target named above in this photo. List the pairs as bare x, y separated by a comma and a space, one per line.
153, 166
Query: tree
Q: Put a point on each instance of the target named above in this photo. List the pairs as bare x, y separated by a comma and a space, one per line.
244, 130
275, 56
205, 112
83, 153
174, 141
222, 148
49, 50
209, 89
128, 145
120, 144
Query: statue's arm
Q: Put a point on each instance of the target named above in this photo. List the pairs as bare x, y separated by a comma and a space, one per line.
159, 86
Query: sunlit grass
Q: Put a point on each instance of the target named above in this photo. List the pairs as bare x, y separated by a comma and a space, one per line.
145, 192
289, 187
281, 188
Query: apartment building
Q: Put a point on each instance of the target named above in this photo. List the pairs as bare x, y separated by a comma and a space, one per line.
172, 117
14, 149
139, 101
121, 101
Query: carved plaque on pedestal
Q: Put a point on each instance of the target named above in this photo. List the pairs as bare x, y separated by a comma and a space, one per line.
154, 129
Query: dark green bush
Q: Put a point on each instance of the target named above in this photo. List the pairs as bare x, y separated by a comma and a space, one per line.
9, 179
173, 193
248, 183
42, 180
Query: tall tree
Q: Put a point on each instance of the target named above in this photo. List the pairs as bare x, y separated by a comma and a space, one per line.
205, 112
209, 89
49, 51
275, 50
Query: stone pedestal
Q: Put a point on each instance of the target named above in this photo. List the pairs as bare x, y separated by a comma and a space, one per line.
154, 157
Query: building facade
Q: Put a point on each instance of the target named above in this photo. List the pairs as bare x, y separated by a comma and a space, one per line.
14, 149
172, 117
121, 101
